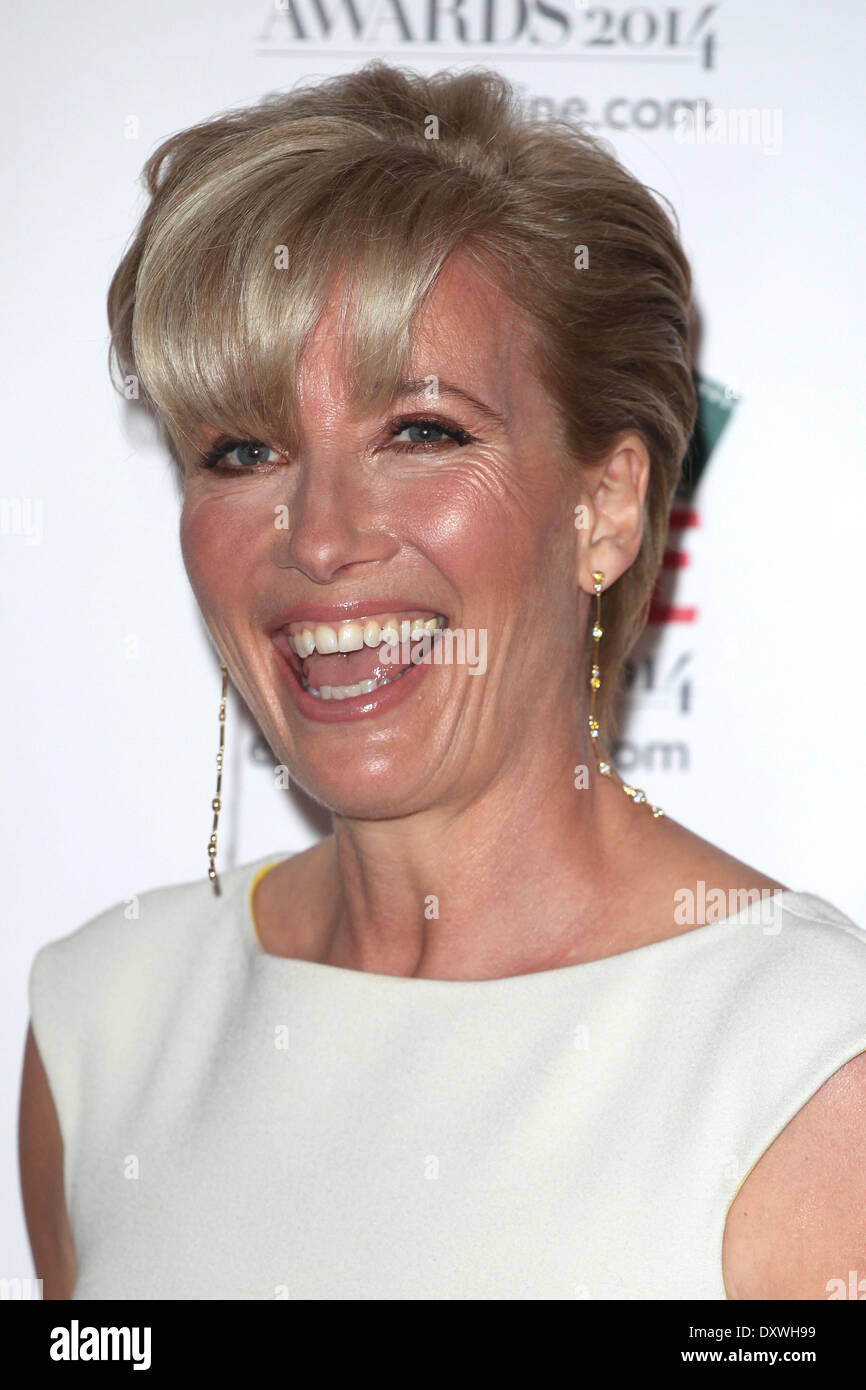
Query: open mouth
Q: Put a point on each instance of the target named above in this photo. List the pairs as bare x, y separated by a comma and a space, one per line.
338, 661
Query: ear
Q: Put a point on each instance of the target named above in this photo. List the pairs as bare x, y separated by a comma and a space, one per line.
611, 537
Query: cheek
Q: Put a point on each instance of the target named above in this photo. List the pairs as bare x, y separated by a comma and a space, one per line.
212, 542
487, 525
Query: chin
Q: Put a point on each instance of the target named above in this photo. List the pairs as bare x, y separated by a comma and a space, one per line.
380, 788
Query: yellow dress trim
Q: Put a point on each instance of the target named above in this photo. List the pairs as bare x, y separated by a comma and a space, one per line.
733, 1199
257, 878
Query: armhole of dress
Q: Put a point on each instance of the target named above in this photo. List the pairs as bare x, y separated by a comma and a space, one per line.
41, 1024
836, 1066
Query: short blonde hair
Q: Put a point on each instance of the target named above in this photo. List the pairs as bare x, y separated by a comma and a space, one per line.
386, 173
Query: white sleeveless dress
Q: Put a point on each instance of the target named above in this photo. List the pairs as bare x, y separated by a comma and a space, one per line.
240, 1125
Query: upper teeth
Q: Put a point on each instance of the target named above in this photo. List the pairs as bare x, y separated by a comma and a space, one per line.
354, 634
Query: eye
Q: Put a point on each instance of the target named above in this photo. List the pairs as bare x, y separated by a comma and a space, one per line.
422, 432
249, 452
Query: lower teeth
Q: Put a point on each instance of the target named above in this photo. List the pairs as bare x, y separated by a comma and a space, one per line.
347, 692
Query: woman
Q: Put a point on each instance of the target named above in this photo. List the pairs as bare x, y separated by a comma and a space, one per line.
424, 368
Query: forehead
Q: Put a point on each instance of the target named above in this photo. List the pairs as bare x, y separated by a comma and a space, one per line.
467, 332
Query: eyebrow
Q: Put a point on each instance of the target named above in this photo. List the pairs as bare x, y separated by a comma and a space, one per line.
413, 387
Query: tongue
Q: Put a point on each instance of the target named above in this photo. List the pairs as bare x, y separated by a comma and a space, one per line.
347, 668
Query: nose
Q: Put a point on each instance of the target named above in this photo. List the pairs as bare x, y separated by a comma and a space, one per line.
330, 521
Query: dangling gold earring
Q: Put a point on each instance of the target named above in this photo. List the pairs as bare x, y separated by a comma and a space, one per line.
217, 801
605, 768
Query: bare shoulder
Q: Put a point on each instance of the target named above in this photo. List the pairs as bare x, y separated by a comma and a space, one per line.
680, 881
797, 1227
40, 1149
691, 859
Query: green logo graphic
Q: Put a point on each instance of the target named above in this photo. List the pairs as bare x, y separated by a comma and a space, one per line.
716, 405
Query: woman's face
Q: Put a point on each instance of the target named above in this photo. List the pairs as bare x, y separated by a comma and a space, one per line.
390, 518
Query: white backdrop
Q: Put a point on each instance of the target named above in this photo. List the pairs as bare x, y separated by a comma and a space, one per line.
747, 725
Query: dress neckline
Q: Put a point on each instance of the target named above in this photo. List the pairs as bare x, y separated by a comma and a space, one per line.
253, 872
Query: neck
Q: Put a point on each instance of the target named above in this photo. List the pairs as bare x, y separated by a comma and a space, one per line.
524, 874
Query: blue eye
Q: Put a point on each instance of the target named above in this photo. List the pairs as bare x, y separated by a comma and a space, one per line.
420, 430
249, 453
